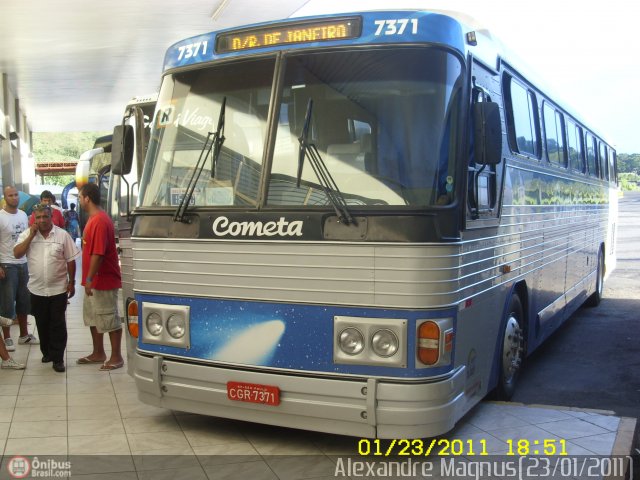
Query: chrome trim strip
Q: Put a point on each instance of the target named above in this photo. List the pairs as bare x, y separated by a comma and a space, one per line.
300, 373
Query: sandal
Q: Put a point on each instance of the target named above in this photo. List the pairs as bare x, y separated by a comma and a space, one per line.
107, 367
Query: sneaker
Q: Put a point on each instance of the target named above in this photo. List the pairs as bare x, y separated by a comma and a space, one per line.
9, 344
12, 364
46, 359
58, 366
28, 340
6, 322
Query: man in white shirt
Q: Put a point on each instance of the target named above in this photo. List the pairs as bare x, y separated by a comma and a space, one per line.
51, 254
14, 273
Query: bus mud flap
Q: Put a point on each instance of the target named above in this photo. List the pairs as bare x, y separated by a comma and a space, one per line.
372, 385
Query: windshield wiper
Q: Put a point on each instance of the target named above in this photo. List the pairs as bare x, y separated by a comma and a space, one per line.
217, 139
328, 184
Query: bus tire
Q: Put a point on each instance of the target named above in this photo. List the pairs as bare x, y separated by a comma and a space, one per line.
512, 350
596, 297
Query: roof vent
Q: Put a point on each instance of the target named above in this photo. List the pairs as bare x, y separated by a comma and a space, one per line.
471, 39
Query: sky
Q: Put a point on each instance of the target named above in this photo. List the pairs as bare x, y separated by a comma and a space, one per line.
587, 52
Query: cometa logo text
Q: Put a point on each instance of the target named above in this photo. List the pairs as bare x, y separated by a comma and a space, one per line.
223, 227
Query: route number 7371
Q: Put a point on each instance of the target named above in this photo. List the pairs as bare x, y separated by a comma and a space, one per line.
191, 50
396, 27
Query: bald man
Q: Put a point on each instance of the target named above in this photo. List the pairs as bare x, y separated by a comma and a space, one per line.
14, 273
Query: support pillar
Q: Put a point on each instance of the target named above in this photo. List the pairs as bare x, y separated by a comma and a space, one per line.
7, 132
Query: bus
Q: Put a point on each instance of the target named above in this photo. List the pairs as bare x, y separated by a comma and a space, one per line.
359, 224
94, 166
124, 181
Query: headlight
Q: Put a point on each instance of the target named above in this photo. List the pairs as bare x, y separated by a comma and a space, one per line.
154, 324
351, 341
165, 324
385, 343
176, 326
370, 341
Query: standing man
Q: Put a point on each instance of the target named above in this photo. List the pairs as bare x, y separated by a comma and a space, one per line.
48, 198
14, 273
101, 280
71, 221
51, 254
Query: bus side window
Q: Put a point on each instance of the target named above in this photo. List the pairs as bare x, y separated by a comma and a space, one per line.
554, 135
523, 128
574, 146
591, 155
613, 175
602, 158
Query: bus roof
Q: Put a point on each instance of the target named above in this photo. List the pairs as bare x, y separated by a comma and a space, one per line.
103, 142
141, 99
444, 26
360, 30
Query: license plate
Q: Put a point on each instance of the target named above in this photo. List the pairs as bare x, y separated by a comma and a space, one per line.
253, 393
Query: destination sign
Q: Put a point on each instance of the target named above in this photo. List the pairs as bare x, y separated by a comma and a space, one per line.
307, 32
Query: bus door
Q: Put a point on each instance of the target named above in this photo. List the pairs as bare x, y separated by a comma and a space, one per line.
483, 248
123, 183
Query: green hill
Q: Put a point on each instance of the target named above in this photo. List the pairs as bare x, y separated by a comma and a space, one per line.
62, 146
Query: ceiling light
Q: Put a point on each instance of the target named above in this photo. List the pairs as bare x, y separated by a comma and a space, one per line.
219, 9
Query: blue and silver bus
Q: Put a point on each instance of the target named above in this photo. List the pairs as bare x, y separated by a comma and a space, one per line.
359, 224
124, 182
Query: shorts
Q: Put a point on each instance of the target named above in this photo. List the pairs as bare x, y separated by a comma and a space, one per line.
100, 310
14, 296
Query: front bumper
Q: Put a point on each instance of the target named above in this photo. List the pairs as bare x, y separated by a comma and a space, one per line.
364, 408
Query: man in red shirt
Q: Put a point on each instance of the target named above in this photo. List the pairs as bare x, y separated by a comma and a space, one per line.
47, 198
101, 280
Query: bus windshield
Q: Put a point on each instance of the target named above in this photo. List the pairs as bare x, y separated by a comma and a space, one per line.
188, 108
384, 122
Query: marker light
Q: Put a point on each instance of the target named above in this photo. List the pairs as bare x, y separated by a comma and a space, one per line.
351, 341
176, 326
429, 343
448, 341
472, 39
384, 343
154, 324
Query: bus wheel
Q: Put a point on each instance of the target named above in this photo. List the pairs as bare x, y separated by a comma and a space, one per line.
596, 297
512, 350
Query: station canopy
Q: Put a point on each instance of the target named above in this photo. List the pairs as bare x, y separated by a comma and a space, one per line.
74, 64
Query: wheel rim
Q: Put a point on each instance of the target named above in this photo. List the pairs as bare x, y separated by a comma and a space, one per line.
512, 349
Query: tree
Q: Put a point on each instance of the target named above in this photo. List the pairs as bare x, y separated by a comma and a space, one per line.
62, 147
629, 181
629, 163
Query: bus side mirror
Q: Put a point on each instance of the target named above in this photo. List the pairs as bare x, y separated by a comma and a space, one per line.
122, 150
487, 133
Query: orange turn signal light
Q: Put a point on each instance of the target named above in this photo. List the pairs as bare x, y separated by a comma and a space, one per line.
132, 318
429, 343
